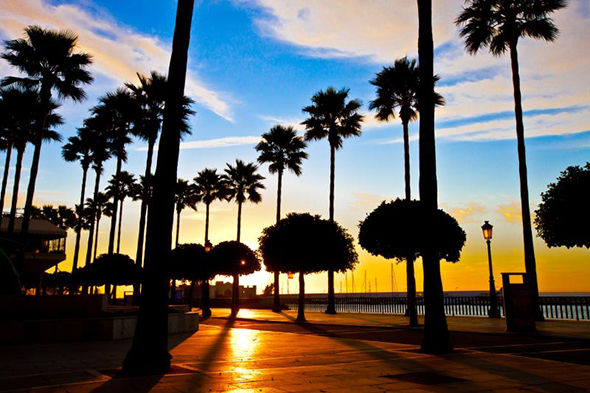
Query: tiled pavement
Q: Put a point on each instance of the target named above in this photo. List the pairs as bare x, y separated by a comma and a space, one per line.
227, 355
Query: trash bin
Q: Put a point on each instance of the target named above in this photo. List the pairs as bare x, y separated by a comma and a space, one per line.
518, 304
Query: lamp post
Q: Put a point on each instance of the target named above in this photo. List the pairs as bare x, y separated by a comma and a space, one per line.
205, 297
487, 235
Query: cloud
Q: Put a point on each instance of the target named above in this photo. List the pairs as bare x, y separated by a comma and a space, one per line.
214, 143
118, 51
365, 200
553, 74
468, 213
511, 212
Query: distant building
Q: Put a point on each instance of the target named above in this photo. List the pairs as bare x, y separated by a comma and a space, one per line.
224, 289
45, 248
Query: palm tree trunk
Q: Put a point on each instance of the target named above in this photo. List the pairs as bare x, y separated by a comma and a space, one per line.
276, 306
96, 239
19, 164
119, 224
142, 218
177, 226
527, 231
116, 199
436, 333
98, 171
411, 291
236, 283
235, 307
45, 97
144, 206
207, 223
5, 180
239, 220
79, 228
412, 312
331, 297
301, 302
205, 296
149, 352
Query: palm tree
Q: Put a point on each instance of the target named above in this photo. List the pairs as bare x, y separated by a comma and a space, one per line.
184, 196
210, 186
26, 104
498, 25
149, 351
121, 110
150, 97
100, 205
79, 148
282, 149
6, 140
243, 184
397, 90
101, 152
331, 117
49, 61
436, 333
123, 185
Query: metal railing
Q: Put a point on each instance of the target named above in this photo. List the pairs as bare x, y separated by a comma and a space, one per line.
562, 307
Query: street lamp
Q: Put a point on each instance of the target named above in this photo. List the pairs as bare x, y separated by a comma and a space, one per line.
487, 235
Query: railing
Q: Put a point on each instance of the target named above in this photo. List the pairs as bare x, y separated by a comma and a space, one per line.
566, 307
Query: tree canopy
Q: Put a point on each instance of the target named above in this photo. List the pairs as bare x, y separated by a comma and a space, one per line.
233, 257
396, 230
562, 216
307, 243
190, 262
109, 268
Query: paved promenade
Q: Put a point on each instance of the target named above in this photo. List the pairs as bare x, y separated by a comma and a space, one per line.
262, 352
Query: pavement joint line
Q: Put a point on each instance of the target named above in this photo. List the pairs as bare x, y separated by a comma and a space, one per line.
523, 355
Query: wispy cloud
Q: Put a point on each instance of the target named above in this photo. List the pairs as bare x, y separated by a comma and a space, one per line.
467, 213
511, 212
215, 143
118, 51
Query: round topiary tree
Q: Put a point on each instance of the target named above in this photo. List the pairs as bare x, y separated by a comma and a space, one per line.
190, 262
562, 217
395, 230
305, 243
233, 258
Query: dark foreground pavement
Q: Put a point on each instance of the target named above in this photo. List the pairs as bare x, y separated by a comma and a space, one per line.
250, 354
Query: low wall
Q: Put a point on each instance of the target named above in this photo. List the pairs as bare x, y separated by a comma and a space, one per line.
86, 329
54, 306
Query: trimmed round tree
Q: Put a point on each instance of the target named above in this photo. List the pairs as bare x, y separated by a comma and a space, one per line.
395, 230
235, 259
562, 216
190, 262
305, 243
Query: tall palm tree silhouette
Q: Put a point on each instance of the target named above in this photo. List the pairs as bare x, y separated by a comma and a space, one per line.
210, 186
243, 184
121, 184
282, 149
436, 333
397, 90
121, 110
25, 110
149, 351
79, 148
185, 196
7, 136
48, 60
101, 152
332, 117
499, 25
150, 97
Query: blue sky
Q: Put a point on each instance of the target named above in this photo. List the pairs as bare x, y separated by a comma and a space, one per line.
254, 63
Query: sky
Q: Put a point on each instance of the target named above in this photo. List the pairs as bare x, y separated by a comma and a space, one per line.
256, 63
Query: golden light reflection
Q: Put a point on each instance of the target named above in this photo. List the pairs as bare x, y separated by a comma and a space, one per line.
244, 344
